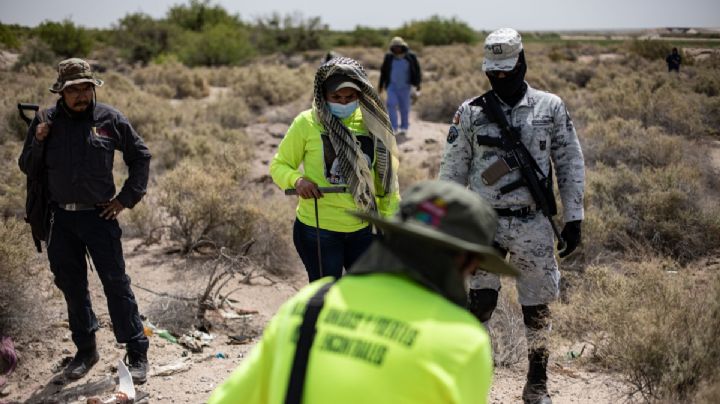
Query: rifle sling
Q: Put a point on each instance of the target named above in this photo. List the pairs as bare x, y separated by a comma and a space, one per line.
493, 111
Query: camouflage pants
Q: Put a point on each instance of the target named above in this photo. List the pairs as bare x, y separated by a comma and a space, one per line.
530, 242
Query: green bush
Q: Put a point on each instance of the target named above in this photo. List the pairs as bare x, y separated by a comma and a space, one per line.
288, 34
221, 44
366, 37
8, 37
65, 39
438, 31
198, 15
143, 38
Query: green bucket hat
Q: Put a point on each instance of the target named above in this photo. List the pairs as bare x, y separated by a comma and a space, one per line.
447, 215
74, 71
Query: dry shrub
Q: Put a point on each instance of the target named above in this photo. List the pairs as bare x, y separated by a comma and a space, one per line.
12, 182
507, 329
653, 98
16, 297
369, 58
202, 205
413, 170
580, 76
208, 204
707, 82
263, 86
143, 220
204, 142
663, 209
441, 98
172, 80
30, 85
620, 141
231, 112
653, 322
151, 116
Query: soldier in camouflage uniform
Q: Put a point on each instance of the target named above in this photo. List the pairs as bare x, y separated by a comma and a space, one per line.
473, 145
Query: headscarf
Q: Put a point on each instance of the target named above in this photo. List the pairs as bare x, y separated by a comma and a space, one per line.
353, 165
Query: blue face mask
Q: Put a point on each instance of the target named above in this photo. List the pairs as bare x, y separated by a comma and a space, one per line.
343, 111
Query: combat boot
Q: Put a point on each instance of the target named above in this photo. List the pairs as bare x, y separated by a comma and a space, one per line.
81, 364
535, 391
137, 365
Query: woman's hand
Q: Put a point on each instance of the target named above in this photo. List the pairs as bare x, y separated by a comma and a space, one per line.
307, 189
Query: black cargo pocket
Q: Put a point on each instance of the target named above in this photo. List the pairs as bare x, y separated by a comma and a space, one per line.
100, 153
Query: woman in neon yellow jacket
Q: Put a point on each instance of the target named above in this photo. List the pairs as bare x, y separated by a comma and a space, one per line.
345, 140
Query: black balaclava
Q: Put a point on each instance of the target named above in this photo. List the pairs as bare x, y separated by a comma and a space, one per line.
512, 87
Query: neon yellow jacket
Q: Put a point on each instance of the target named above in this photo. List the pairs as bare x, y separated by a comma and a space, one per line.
303, 144
381, 338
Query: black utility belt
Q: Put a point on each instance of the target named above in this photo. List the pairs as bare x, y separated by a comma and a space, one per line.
75, 207
515, 212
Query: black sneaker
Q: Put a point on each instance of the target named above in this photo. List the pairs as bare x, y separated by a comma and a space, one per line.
138, 366
81, 364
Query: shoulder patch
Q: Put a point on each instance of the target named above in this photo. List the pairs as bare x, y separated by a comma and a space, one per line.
452, 135
456, 118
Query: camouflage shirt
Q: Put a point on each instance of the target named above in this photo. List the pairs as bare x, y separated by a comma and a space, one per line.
547, 132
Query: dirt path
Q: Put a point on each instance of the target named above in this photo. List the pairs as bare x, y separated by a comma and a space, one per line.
154, 272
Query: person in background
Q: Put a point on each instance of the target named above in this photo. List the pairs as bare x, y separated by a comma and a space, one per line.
673, 61
400, 71
395, 329
476, 156
344, 140
79, 139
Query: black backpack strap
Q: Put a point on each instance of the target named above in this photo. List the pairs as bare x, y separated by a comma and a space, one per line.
304, 343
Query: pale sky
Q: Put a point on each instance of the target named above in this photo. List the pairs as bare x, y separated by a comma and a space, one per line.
345, 15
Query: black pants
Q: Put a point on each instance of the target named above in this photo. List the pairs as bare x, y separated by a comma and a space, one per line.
339, 250
72, 233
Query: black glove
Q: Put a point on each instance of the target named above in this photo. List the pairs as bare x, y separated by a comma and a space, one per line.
572, 235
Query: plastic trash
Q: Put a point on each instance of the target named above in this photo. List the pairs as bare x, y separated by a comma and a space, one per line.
165, 334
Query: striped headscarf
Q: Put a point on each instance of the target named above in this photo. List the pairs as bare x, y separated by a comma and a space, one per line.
352, 164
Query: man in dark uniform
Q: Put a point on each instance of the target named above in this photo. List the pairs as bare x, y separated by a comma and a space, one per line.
673, 61
77, 140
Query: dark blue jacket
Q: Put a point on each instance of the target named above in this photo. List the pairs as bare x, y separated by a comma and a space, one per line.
79, 154
415, 73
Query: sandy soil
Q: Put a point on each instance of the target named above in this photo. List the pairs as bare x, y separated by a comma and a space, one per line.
154, 272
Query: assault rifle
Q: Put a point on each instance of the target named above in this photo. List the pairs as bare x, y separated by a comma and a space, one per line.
539, 184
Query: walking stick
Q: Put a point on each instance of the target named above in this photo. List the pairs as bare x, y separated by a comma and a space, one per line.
323, 190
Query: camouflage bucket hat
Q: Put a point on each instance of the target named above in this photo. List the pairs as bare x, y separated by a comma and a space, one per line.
398, 41
447, 215
74, 71
502, 49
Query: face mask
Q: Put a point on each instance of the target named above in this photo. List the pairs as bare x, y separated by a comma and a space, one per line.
342, 111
